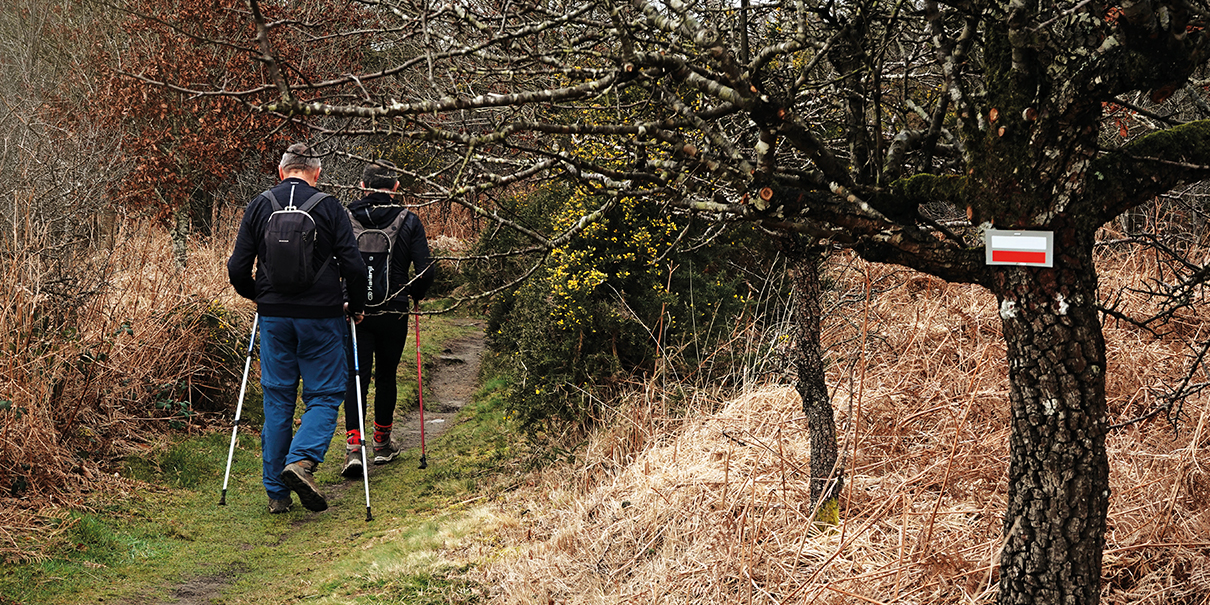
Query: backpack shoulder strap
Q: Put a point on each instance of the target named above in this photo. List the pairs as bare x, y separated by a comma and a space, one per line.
396, 224
313, 201
358, 228
268, 193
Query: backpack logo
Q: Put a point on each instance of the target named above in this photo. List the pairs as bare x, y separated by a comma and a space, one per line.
376, 246
289, 239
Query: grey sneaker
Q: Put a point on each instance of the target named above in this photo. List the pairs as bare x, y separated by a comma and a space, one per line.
277, 507
352, 468
384, 451
297, 476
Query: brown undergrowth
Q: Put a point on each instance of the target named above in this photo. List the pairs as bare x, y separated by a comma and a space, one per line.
106, 351
709, 504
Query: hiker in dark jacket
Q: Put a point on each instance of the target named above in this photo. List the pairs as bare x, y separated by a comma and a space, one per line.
382, 334
302, 334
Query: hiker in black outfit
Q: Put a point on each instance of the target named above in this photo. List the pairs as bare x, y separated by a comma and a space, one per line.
302, 324
382, 334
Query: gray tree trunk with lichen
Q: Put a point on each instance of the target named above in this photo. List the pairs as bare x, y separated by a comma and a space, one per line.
1032, 176
827, 480
1058, 475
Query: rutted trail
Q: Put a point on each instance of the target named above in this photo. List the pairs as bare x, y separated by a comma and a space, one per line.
454, 380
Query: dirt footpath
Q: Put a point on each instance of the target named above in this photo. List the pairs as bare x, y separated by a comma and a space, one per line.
454, 376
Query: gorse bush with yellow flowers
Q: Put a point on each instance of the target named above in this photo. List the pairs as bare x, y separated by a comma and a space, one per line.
621, 298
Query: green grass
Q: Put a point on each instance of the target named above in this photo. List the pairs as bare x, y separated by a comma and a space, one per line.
138, 546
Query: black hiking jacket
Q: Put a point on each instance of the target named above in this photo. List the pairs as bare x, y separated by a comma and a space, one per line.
334, 239
410, 249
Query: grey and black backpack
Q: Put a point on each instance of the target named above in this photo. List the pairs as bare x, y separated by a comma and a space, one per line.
376, 246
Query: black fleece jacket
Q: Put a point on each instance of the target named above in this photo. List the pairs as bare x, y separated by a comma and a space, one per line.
334, 239
410, 249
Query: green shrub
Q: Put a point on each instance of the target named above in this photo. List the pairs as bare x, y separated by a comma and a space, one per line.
219, 355
612, 302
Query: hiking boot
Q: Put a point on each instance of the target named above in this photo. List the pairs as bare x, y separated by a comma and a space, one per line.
384, 451
297, 476
277, 507
352, 468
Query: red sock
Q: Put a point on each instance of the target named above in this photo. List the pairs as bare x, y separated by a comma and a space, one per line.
353, 437
382, 433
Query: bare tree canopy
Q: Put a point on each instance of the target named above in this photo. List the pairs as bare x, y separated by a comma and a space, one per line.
863, 123
806, 118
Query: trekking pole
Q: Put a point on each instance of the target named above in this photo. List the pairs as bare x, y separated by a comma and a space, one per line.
424, 463
222, 501
361, 418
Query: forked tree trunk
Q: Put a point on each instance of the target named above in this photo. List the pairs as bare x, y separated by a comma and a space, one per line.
1058, 496
826, 478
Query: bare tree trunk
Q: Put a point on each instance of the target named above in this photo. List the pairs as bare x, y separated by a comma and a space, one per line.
826, 478
201, 212
179, 229
1054, 527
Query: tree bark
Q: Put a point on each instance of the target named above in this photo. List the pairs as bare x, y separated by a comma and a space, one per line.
179, 230
807, 290
1058, 497
201, 212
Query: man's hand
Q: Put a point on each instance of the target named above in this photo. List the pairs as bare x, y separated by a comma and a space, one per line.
357, 317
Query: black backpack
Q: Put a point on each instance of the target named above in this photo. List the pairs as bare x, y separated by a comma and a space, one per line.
376, 246
290, 244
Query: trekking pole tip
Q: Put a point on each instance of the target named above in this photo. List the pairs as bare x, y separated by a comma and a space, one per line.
222, 501
424, 463
369, 517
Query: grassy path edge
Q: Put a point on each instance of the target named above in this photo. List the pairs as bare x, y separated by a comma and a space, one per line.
169, 542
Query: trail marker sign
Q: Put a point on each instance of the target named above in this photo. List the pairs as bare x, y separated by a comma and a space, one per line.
1021, 248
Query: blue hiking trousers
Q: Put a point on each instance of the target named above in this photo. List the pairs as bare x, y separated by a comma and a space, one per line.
291, 349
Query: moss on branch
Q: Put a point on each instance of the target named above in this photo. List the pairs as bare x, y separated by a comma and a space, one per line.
1185, 143
924, 188
1150, 166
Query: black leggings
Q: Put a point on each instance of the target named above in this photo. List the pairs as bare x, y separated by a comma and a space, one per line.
379, 338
